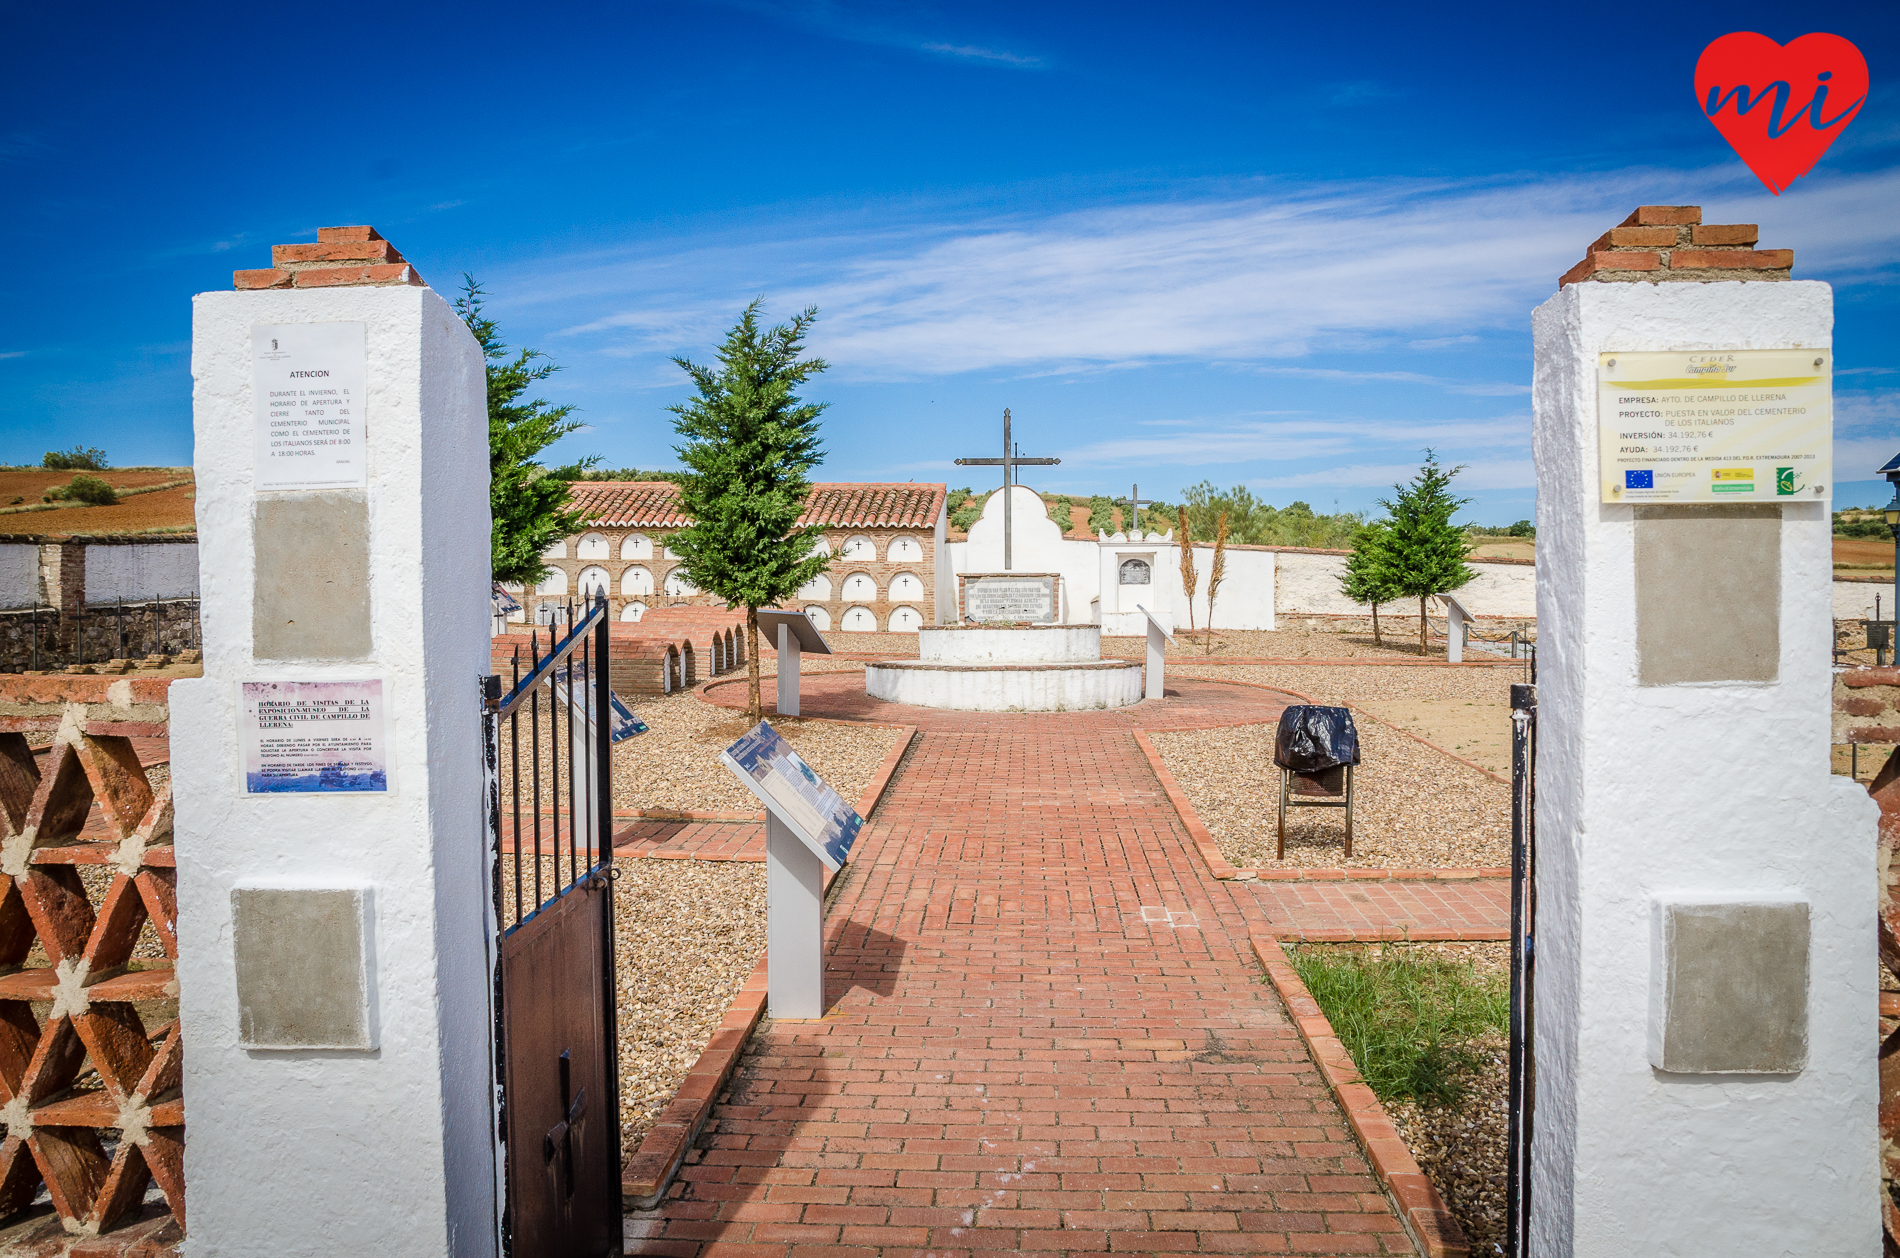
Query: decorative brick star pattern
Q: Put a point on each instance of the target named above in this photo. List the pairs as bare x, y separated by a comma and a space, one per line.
90, 1065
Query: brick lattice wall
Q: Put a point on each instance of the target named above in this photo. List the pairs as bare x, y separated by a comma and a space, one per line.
1661, 243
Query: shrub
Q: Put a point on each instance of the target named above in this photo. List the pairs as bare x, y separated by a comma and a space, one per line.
91, 490
77, 459
1063, 517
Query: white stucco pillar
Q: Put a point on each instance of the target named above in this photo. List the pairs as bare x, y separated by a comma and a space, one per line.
1683, 762
354, 922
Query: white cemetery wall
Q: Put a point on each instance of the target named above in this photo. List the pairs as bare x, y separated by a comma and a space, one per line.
1674, 793
1307, 581
389, 1150
945, 578
1117, 606
1246, 597
141, 570
1039, 547
1854, 600
20, 574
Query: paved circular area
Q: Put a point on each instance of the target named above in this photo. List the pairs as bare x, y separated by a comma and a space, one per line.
1190, 703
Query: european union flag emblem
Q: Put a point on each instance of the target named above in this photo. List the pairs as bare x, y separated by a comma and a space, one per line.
1639, 480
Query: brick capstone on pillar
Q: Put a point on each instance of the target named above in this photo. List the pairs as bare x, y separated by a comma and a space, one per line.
342, 257
1671, 243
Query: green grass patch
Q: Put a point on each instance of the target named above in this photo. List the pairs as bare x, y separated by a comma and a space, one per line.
1407, 1015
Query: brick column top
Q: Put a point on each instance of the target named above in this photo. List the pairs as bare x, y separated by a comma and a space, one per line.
1671, 243
342, 257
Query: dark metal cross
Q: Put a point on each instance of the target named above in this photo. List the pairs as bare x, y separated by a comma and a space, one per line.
1134, 502
1010, 461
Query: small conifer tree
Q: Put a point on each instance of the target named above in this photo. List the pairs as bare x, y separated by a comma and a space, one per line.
1424, 551
1366, 579
749, 443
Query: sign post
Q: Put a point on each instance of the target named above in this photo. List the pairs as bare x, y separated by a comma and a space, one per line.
1457, 619
794, 634
808, 830
1158, 639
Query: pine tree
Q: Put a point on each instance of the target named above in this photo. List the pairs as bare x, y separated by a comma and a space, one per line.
1366, 579
527, 506
749, 443
1424, 552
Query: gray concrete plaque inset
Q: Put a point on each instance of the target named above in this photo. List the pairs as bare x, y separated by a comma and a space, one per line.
1729, 988
311, 580
302, 968
1708, 593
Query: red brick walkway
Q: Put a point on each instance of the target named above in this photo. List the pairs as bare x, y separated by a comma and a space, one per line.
1048, 1034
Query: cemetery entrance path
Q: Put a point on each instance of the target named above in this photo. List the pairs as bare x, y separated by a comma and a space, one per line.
1047, 1031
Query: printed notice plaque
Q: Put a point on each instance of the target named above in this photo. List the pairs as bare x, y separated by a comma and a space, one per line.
1739, 425
308, 379
1009, 598
767, 766
315, 737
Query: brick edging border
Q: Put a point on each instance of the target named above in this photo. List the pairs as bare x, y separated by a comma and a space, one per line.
1433, 1230
646, 1176
1220, 867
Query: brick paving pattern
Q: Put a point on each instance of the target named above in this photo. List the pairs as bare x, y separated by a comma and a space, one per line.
1048, 1033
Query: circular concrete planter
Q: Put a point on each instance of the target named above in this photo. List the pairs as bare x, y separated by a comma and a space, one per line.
1066, 687
1031, 644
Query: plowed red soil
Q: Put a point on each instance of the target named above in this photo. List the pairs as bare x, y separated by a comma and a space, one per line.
165, 509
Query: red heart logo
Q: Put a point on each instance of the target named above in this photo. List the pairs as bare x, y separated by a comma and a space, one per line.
1780, 106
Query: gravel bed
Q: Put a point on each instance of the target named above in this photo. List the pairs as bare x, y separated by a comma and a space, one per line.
1286, 644
687, 936
1352, 684
1413, 807
1461, 1148
675, 764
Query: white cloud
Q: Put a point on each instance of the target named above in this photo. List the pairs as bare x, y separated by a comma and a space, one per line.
1483, 474
1280, 273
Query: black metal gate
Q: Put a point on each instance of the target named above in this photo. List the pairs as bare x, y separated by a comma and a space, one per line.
550, 819
1523, 1068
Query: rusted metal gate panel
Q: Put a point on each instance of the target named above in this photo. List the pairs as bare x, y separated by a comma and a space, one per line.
550, 822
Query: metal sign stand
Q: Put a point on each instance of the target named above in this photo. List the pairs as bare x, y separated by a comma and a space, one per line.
794, 923
794, 634
1158, 639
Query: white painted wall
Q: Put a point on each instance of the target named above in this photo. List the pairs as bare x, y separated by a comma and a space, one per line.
20, 575
1854, 600
1309, 582
1038, 547
141, 571
1628, 1159
391, 1151
1247, 591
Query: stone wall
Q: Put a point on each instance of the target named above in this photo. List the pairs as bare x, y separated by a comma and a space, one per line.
168, 627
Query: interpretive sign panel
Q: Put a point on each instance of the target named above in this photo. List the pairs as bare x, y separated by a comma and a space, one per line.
308, 382
316, 737
784, 783
1740, 425
572, 685
1010, 597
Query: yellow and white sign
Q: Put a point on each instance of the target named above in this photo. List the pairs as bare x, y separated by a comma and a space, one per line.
1739, 425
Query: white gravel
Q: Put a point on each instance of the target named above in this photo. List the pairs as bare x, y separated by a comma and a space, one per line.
1413, 808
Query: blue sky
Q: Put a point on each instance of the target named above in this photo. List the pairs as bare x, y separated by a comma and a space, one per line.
1284, 245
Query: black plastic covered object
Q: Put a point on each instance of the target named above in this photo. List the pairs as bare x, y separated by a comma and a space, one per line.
1312, 738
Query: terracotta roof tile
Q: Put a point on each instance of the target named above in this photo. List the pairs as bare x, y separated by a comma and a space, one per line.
655, 504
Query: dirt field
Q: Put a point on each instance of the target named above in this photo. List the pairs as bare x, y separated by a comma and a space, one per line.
1863, 554
165, 509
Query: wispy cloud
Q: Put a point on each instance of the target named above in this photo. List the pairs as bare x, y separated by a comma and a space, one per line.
1286, 440
1481, 474
1286, 272
849, 22
22, 145
13, 353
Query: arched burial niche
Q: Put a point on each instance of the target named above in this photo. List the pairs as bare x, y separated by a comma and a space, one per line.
858, 620
1135, 572
859, 549
679, 585
556, 550
594, 580
633, 611
905, 550
820, 619
636, 582
906, 620
636, 546
593, 546
817, 589
906, 587
554, 583
860, 587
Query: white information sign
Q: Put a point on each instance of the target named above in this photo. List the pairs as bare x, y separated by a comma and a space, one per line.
309, 383
1740, 425
313, 737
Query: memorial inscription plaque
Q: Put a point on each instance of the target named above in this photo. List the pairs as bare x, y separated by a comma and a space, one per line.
308, 383
1012, 597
